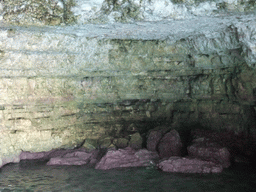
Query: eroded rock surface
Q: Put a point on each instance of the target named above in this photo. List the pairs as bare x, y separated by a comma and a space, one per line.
155, 136
65, 157
225, 146
73, 158
170, 145
189, 165
127, 157
66, 82
211, 152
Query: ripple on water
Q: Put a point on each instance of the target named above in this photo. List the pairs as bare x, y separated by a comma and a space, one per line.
36, 176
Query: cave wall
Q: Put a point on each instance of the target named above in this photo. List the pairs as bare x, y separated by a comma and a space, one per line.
67, 78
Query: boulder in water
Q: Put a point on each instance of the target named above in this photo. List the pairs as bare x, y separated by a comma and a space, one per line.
127, 157
170, 145
155, 135
72, 158
189, 165
211, 152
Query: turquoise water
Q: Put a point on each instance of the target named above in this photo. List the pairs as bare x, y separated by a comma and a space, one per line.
36, 176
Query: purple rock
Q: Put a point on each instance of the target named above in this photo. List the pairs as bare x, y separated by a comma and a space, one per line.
155, 136
25, 155
236, 143
60, 152
211, 152
153, 140
72, 158
170, 145
189, 165
65, 156
127, 157
10, 159
79, 154
67, 161
145, 155
96, 156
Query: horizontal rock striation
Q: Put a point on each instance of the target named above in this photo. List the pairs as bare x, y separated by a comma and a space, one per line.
63, 86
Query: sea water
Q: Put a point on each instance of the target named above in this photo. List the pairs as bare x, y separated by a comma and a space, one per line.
37, 176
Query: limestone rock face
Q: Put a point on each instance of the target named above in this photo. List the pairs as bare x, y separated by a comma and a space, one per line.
38, 12
73, 72
100, 11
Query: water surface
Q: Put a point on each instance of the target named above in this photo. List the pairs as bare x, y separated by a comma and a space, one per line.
36, 176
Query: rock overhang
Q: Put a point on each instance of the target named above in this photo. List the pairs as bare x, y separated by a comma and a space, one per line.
55, 79
228, 33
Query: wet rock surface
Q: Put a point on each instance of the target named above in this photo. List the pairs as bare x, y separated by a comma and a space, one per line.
189, 165
225, 146
127, 157
65, 156
72, 158
205, 154
76, 72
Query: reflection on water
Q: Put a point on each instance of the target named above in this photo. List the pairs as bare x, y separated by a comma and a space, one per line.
36, 176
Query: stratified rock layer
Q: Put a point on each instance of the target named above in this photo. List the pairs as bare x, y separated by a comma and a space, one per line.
67, 86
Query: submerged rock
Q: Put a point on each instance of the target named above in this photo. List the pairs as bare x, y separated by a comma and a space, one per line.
127, 157
189, 165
